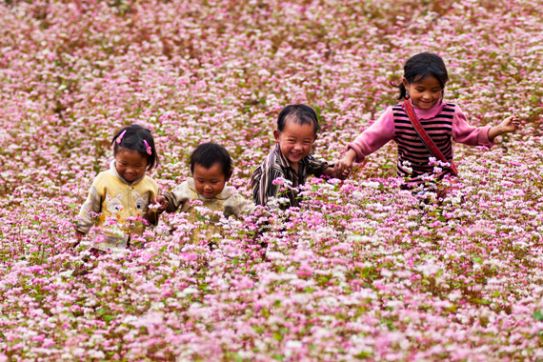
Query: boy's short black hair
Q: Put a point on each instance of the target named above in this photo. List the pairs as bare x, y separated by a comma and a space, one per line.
207, 154
301, 114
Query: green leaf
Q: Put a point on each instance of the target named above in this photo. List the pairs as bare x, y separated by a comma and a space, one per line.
363, 355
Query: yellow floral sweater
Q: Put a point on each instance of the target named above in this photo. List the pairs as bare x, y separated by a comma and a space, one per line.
117, 207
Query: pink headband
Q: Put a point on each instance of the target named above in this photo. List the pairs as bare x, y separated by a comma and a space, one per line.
120, 137
148, 148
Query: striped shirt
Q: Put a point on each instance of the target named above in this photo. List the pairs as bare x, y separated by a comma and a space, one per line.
276, 166
413, 154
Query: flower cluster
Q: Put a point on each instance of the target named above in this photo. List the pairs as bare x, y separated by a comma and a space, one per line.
362, 270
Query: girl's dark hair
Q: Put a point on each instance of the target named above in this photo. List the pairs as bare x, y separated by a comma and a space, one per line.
421, 65
207, 154
137, 138
301, 114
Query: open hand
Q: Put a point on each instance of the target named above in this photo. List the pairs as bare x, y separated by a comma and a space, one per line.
510, 124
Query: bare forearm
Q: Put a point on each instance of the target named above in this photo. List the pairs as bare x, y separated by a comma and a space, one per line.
494, 132
350, 155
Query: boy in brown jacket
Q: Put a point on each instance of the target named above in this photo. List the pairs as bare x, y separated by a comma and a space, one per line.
211, 168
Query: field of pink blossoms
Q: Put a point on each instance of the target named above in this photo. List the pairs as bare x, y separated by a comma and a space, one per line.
358, 273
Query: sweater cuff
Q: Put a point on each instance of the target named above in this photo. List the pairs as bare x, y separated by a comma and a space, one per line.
356, 148
484, 139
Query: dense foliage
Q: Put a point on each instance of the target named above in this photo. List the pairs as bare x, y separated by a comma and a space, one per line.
359, 272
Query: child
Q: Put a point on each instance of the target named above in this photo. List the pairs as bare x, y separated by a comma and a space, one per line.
423, 88
297, 128
119, 198
211, 168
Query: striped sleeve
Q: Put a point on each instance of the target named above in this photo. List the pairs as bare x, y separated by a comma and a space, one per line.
262, 182
316, 166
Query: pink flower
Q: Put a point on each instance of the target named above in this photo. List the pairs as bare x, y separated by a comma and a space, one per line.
305, 271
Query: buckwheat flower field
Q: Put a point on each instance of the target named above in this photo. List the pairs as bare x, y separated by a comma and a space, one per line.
360, 271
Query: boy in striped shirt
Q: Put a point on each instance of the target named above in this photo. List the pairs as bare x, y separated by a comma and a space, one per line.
290, 162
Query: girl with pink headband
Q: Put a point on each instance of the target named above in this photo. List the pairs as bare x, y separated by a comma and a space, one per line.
119, 198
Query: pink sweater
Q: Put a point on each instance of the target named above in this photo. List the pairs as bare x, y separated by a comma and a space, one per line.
394, 124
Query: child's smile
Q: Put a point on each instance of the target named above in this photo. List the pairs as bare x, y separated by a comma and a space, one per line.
130, 164
295, 141
424, 93
209, 182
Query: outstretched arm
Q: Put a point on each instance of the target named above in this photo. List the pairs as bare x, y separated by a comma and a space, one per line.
373, 138
480, 136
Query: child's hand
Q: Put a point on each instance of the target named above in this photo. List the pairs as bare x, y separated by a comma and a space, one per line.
160, 203
510, 124
343, 167
331, 172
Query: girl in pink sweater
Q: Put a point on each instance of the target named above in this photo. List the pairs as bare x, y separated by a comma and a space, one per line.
423, 84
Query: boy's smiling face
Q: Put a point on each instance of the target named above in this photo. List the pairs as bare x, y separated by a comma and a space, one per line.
296, 140
209, 182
